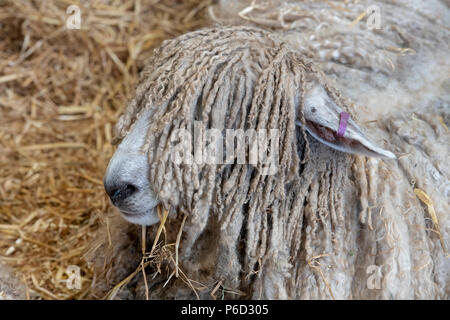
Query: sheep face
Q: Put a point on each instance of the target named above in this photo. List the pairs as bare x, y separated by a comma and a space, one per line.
126, 178
190, 79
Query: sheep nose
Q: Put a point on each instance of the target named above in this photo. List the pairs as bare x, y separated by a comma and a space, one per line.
119, 192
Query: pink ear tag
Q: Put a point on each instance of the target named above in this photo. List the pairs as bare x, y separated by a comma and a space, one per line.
343, 123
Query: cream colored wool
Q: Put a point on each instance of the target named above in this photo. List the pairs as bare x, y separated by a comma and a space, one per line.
10, 286
314, 229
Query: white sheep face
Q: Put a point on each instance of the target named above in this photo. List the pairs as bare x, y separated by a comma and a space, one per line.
126, 179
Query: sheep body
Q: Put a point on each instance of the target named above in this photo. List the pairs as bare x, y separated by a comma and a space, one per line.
10, 286
328, 221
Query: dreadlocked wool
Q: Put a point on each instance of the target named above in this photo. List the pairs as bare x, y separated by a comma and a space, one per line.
326, 225
11, 288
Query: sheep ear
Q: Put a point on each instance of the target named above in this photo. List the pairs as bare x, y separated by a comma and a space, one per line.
329, 124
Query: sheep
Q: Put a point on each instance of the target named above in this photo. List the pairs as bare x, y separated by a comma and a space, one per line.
328, 224
11, 288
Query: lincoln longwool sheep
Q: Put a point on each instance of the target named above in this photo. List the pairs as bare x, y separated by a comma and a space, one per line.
340, 218
11, 288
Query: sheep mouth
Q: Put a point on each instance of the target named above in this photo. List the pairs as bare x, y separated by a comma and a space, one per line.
132, 213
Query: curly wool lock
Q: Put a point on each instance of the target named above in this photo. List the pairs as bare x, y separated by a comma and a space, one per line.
11, 288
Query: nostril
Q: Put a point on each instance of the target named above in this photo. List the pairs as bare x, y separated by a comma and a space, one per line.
130, 189
114, 193
121, 192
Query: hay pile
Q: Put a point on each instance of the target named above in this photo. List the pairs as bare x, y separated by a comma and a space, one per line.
61, 91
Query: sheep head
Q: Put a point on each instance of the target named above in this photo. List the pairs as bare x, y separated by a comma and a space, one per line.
236, 78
